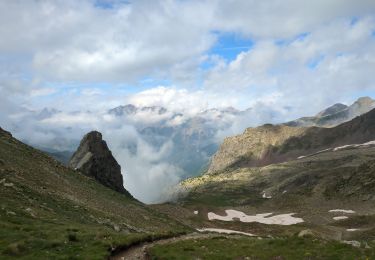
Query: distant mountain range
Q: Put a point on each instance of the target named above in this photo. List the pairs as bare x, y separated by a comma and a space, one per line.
174, 144
193, 137
336, 114
268, 144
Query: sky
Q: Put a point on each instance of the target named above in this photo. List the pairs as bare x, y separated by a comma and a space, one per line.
94, 54
286, 57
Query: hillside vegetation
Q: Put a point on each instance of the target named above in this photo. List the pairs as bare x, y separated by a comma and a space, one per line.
50, 211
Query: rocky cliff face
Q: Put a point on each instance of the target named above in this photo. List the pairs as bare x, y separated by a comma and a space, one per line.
278, 143
94, 159
252, 146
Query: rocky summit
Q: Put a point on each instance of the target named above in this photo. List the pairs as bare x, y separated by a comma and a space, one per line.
336, 114
94, 159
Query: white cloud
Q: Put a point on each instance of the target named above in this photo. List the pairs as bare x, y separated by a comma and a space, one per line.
76, 40
146, 172
67, 41
42, 92
183, 100
63, 119
284, 19
329, 63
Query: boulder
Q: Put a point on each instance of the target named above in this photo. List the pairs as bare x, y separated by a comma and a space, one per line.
306, 233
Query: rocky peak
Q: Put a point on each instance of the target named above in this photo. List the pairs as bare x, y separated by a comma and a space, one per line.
362, 105
154, 109
94, 159
123, 110
336, 114
5, 133
332, 110
365, 101
130, 109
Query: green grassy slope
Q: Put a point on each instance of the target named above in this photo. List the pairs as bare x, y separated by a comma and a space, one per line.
233, 247
50, 211
347, 175
309, 187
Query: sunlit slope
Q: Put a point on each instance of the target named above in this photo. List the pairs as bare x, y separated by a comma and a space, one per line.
346, 175
48, 210
310, 188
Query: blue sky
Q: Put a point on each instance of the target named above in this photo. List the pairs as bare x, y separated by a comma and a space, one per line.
229, 45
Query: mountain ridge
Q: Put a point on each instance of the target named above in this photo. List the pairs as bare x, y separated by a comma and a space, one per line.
255, 147
336, 114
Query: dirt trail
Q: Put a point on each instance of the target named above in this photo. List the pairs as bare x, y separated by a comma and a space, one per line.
140, 251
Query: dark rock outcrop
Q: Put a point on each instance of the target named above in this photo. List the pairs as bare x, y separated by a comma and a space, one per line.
94, 159
6, 133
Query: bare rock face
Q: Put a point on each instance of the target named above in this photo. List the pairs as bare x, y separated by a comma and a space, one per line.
94, 159
252, 146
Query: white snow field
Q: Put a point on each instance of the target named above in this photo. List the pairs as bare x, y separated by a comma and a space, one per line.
265, 218
340, 217
224, 231
348, 211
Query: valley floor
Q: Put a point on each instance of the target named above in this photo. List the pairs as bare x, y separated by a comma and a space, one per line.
318, 207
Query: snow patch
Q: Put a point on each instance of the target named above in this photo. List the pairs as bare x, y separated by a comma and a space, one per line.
321, 151
369, 143
354, 145
265, 218
224, 231
196, 212
352, 243
348, 211
352, 229
343, 147
264, 196
340, 217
